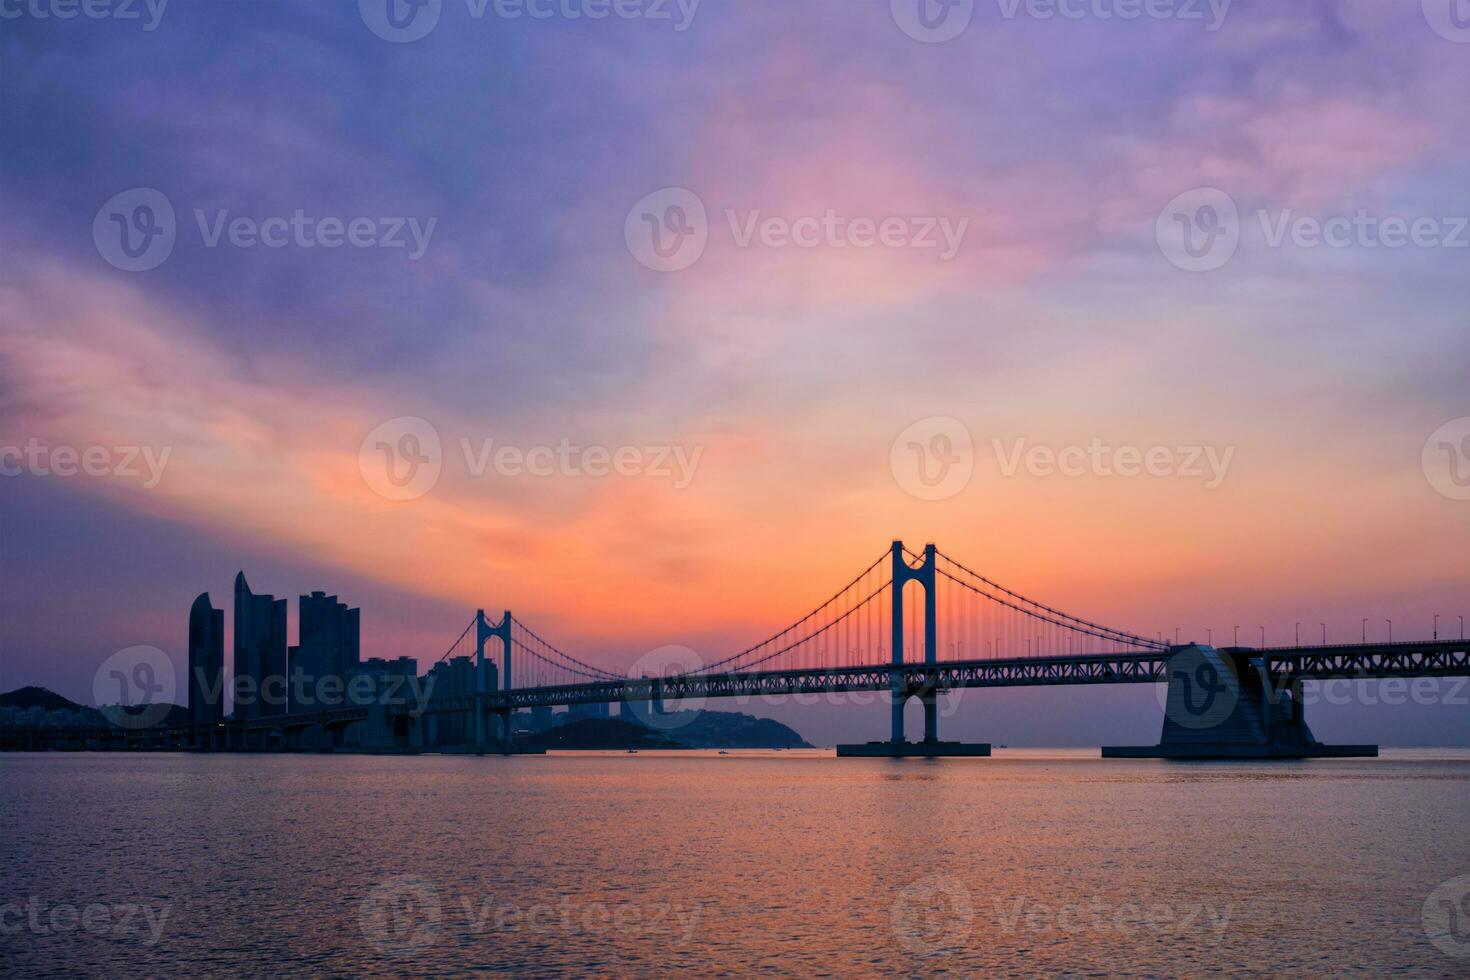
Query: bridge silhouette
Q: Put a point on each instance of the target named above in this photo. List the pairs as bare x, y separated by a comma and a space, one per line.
911, 625
917, 625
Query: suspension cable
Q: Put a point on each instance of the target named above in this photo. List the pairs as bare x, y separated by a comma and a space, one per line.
1117, 634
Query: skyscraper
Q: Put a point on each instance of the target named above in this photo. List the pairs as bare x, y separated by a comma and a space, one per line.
206, 662
260, 653
329, 647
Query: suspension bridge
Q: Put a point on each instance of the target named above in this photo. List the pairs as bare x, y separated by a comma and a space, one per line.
917, 625
911, 625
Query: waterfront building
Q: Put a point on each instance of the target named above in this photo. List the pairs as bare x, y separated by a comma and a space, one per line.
260, 653
206, 662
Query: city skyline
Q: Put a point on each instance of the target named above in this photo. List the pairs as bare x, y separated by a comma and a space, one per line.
762, 390
317, 673
840, 487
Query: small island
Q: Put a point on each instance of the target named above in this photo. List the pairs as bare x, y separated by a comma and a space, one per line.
676, 730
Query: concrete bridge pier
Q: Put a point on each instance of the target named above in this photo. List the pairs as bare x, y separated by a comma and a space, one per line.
931, 716
1232, 704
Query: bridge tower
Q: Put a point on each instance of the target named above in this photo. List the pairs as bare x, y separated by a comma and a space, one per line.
900, 689
903, 573
483, 632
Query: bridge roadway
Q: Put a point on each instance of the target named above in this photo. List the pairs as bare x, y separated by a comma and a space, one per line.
1445, 658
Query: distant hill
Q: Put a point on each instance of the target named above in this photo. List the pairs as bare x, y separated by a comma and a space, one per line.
728, 730
598, 733
37, 697
36, 707
676, 730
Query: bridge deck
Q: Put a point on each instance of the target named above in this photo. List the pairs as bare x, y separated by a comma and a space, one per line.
1449, 658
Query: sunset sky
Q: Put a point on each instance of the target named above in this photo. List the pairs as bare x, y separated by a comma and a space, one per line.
783, 372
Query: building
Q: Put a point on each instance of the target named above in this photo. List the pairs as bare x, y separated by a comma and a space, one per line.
206, 662
329, 635
260, 653
446, 679
389, 681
